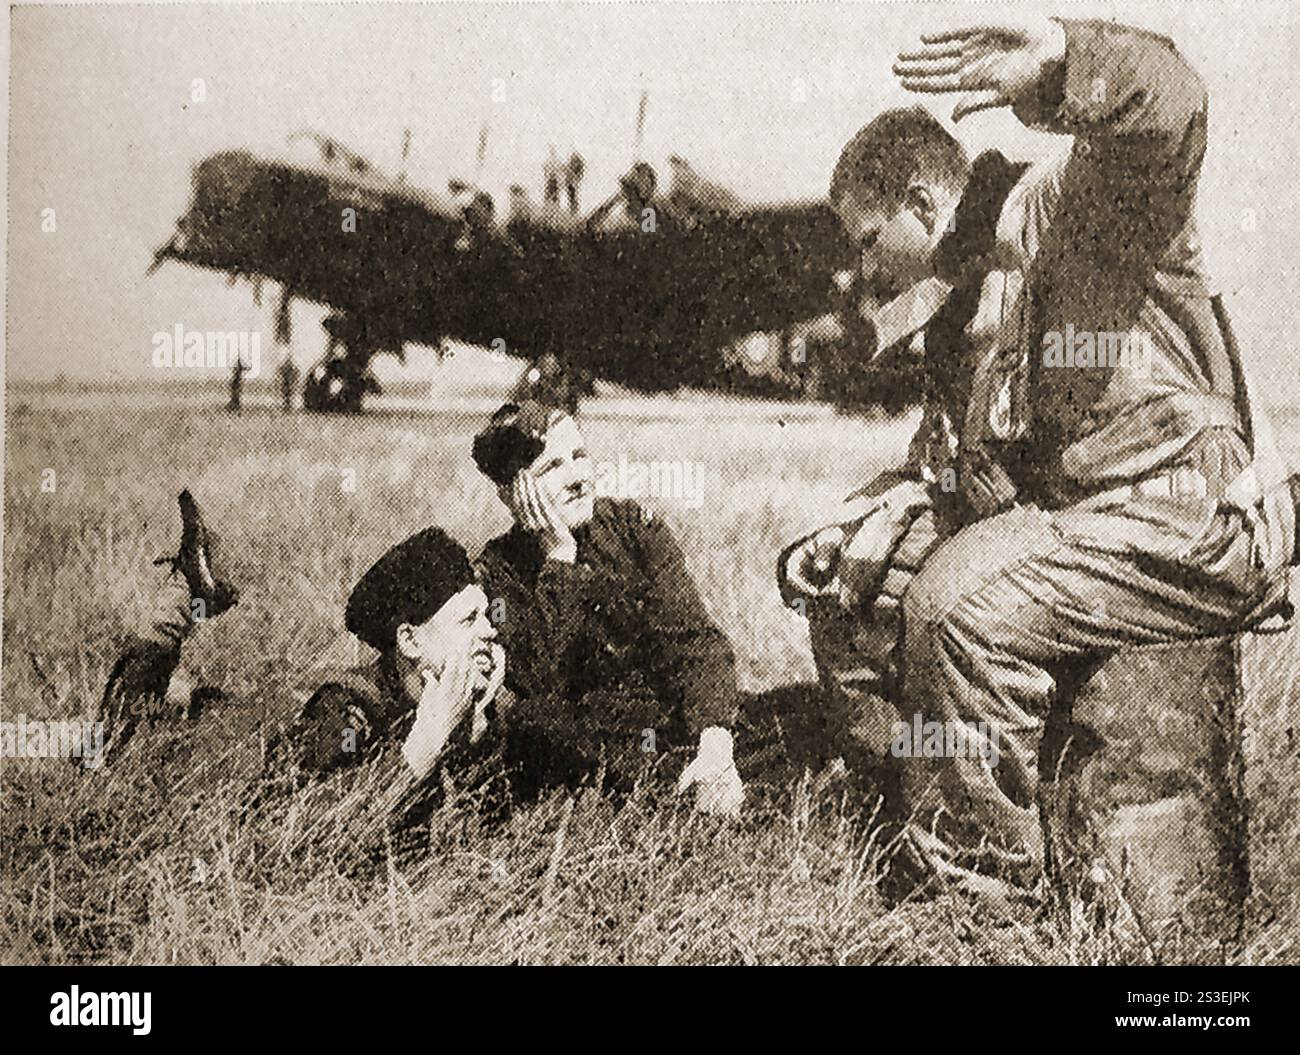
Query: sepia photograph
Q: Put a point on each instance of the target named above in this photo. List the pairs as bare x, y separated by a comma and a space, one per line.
731, 483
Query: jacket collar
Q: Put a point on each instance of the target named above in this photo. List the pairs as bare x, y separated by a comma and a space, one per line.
392, 692
521, 550
963, 258
974, 230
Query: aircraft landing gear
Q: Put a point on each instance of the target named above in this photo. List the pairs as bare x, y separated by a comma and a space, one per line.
333, 387
341, 380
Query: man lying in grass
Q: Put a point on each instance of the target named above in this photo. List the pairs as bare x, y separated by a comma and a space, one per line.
431, 688
433, 697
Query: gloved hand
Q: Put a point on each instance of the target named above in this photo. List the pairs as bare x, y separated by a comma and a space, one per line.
810, 565
719, 789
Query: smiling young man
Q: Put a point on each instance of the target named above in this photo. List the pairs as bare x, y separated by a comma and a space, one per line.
613, 658
377, 737
438, 669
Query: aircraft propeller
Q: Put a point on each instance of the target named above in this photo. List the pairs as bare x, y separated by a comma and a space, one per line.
640, 124
159, 255
406, 154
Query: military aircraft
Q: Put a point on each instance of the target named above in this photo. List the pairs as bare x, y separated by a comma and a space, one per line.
652, 290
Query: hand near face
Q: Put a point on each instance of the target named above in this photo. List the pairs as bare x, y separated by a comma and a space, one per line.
537, 514
447, 697
496, 677
994, 64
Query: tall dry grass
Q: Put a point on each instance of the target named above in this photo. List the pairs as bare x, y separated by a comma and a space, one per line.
170, 855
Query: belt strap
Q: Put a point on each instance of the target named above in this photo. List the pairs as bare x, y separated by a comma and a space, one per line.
1235, 381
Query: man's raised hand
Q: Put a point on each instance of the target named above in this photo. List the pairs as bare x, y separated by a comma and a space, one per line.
993, 64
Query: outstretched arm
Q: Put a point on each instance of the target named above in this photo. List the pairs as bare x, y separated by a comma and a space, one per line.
690, 653
1126, 91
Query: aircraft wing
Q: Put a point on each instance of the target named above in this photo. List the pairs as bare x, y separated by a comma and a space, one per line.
655, 302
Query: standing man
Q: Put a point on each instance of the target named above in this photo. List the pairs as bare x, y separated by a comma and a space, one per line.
288, 382
612, 655
236, 385
1108, 499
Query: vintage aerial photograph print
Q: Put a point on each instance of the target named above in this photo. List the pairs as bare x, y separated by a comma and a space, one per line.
660, 483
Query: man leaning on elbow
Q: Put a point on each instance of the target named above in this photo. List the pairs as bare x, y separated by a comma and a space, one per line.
613, 658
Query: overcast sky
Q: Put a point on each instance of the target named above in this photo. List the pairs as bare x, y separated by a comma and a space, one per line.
103, 130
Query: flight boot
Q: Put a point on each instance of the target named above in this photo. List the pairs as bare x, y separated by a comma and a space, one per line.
198, 561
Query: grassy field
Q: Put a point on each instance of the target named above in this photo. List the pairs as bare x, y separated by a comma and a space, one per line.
156, 859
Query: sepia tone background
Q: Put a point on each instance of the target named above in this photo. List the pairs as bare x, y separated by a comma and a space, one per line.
147, 863
757, 96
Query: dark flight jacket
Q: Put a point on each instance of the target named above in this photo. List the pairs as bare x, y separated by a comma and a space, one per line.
352, 727
612, 645
353, 715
